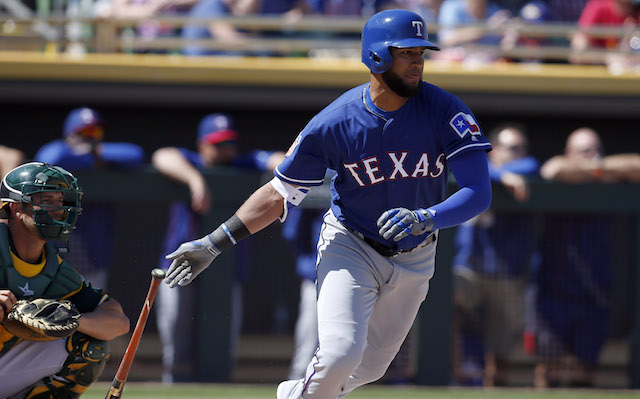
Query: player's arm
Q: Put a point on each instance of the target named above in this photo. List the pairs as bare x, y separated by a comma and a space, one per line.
106, 322
262, 208
120, 155
171, 162
565, 169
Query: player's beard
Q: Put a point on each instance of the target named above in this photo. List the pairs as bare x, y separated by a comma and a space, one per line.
395, 83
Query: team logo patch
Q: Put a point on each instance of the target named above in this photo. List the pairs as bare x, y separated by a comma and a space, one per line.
464, 123
293, 146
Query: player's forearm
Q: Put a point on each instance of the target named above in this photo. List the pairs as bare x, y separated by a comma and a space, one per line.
262, 208
107, 322
474, 197
170, 162
562, 169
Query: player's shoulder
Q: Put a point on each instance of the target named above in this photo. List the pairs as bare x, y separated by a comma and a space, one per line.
435, 92
345, 100
345, 106
441, 100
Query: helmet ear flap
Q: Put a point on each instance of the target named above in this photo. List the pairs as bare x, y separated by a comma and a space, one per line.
380, 60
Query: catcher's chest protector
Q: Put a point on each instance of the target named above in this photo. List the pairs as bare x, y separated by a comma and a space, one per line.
54, 281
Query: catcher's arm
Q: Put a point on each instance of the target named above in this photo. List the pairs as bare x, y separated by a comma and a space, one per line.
7, 300
106, 322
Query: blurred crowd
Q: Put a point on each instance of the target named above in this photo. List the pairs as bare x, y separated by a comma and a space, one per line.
469, 31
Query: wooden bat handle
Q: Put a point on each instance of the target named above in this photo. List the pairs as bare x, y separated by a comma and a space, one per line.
115, 391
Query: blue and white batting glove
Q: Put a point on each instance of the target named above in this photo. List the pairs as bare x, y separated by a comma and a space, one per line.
189, 260
400, 222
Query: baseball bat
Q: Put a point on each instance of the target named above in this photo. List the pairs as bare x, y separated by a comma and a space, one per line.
115, 391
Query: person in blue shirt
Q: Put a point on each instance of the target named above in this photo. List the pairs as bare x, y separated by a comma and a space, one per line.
82, 147
216, 146
492, 264
391, 142
464, 23
573, 284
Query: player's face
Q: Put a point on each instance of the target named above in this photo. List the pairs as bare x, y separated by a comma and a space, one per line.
41, 201
218, 154
405, 75
51, 201
511, 145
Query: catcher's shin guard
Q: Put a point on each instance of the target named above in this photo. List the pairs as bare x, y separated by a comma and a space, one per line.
86, 361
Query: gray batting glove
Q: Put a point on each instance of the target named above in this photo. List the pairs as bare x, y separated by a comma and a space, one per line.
400, 222
189, 260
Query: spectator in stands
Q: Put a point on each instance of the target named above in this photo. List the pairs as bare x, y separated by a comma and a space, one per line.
567, 11
533, 12
225, 33
9, 159
573, 282
464, 23
82, 148
610, 13
492, 264
216, 146
145, 10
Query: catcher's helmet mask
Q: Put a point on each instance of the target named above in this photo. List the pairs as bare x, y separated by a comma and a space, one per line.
22, 183
392, 28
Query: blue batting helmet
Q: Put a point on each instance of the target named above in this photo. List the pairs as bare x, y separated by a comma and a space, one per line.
392, 28
81, 118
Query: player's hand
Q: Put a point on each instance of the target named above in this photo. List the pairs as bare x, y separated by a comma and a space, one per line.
7, 300
189, 260
400, 222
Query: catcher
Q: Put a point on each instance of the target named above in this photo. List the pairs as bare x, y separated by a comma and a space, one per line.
54, 326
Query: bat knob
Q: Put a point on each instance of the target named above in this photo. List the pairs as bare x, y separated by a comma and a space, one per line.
157, 273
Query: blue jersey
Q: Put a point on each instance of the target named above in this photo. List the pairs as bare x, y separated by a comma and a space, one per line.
112, 155
398, 158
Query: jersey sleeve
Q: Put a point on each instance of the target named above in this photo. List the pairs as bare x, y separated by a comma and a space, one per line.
459, 129
59, 153
122, 155
88, 298
305, 162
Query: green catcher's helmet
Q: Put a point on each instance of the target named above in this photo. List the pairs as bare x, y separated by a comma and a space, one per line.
21, 183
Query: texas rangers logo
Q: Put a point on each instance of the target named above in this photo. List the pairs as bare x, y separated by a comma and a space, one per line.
464, 123
293, 146
419, 28
25, 290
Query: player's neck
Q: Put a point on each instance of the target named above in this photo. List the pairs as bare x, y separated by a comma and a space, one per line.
28, 248
383, 97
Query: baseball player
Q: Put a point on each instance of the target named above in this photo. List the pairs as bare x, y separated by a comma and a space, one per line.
392, 142
82, 147
217, 146
41, 203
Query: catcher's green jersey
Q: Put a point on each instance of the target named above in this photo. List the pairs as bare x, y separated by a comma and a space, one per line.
51, 278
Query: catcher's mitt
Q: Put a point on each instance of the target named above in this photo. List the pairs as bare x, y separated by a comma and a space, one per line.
42, 319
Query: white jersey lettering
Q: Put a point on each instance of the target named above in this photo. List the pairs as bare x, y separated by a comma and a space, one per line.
422, 167
351, 167
370, 168
398, 166
439, 167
